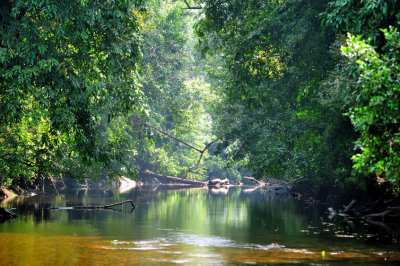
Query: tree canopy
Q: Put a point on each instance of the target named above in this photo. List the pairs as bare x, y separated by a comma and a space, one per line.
64, 66
289, 85
283, 89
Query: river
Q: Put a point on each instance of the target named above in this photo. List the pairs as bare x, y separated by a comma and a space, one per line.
190, 227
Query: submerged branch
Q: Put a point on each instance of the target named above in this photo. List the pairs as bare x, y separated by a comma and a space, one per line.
99, 207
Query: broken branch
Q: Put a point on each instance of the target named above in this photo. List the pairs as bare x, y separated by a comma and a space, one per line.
187, 144
191, 7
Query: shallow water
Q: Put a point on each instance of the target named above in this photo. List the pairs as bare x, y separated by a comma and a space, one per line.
192, 227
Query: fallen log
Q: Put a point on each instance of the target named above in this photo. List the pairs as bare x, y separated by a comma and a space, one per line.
97, 207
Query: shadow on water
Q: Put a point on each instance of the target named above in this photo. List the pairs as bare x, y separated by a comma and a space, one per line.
192, 226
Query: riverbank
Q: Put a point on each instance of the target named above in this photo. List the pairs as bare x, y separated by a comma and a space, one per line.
5, 214
6, 194
124, 184
356, 213
379, 209
378, 205
146, 179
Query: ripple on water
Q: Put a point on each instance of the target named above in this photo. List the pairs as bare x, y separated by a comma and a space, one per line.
179, 239
182, 248
181, 261
140, 245
203, 241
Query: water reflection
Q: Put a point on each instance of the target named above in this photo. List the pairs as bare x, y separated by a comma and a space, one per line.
186, 226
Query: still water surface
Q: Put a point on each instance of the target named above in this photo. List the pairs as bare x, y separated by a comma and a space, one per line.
191, 227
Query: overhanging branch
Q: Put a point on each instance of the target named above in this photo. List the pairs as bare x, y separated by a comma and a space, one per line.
191, 7
187, 144
171, 136
190, 170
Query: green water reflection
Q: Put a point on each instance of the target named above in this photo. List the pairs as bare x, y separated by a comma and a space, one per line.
188, 226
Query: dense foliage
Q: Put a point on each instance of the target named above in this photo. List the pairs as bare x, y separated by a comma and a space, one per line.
288, 86
376, 111
175, 103
65, 66
276, 54
178, 97
275, 82
372, 81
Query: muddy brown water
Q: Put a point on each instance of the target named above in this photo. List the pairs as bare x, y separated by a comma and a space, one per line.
189, 227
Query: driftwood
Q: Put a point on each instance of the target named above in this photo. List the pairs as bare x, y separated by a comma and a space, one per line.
99, 207
349, 207
391, 214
